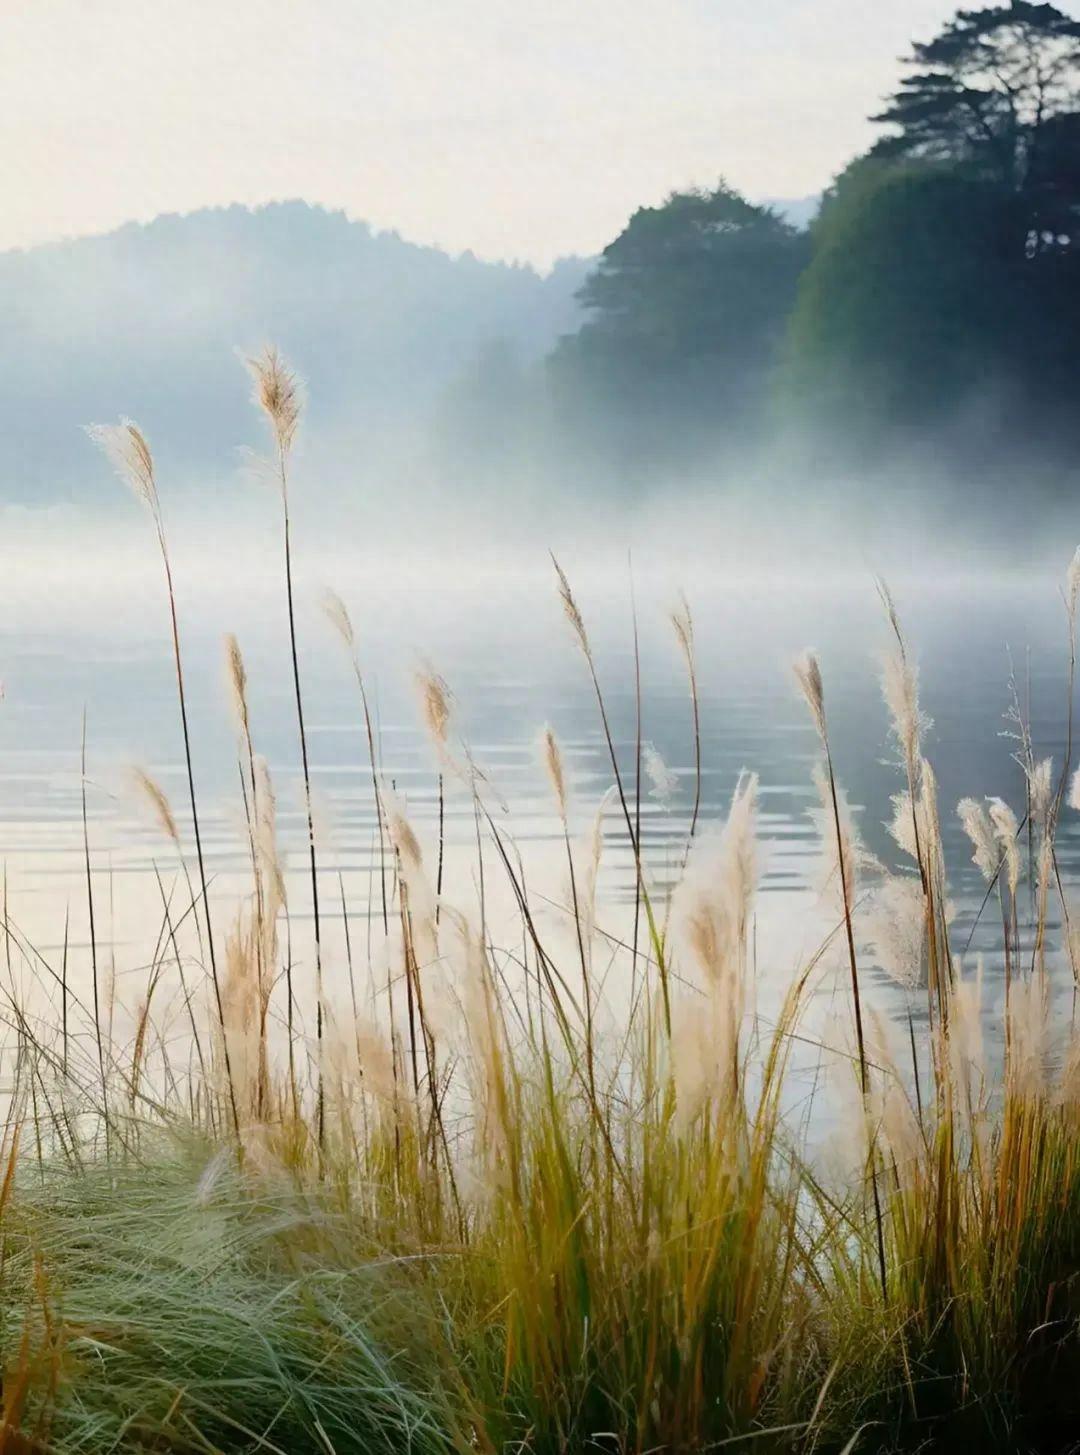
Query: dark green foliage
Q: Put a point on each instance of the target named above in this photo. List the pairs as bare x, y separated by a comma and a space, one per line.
945, 282
686, 311
913, 303
988, 90
939, 287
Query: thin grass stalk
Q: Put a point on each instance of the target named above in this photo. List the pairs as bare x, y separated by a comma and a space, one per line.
290, 1017
64, 988
127, 448
683, 623
339, 617
575, 618
277, 393
1071, 597
915, 1069
184, 990
320, 1093
586, 974
93, 944
348, 948
437, 1135
809, 676
558, 993
936, 929
196, 829
1029, 770
637, 768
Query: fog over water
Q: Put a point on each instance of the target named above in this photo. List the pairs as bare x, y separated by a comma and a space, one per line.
84, 627
432, 481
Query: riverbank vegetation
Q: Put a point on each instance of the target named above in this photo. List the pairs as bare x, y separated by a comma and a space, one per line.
545, 1180
928, 314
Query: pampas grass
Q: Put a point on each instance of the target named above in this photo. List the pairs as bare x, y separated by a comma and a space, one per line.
539, 1187
843, 863
128, 451
278, 394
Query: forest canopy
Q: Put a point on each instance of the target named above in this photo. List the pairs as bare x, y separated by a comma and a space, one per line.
940, 281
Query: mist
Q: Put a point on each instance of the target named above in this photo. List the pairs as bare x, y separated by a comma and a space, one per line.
464, 410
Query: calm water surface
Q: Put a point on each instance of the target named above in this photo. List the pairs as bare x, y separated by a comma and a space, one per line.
500, 640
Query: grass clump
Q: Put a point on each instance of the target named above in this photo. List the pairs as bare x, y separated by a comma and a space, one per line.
173, 1308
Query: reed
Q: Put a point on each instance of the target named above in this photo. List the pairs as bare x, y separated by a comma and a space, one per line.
550, 1189
277, 393
127, 449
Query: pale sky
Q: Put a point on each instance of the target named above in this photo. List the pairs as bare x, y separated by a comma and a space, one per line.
520, 130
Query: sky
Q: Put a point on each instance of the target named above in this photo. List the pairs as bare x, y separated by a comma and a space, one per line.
520, 131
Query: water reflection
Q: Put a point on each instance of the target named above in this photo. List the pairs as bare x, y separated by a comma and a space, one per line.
513, 666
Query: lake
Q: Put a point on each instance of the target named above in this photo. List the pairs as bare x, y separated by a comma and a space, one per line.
85, 630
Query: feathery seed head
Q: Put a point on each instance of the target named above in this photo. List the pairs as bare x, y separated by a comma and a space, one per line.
402, 835
1007, 832
266, 831
436, 704
808, 675
338, 616
903, 827
376, 1061
278, 395
900, 689
126, 448
929, 818
570, 606
713, 903
663, 781
553, 763
1040, 789
154, 795
1072, 585
896, 929
976, 824
683, 623
237, 675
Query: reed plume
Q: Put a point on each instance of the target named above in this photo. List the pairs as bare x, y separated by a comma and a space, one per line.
127, 449
279, 396
894, 925
437, 710
662, 781
154, 796
338, 616
266, 830
1040, 791
808, 675
236, 673
648, 1251
1007, 832
713, 902
577, 623
683, 624
552, 757
710, 917
984, 841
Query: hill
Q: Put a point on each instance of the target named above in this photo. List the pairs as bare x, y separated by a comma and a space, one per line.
146, 321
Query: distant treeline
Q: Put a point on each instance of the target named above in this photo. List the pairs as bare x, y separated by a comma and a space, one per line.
935, 296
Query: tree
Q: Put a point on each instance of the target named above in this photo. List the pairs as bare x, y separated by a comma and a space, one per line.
998, 90
946, 271
686, 312
914, 302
